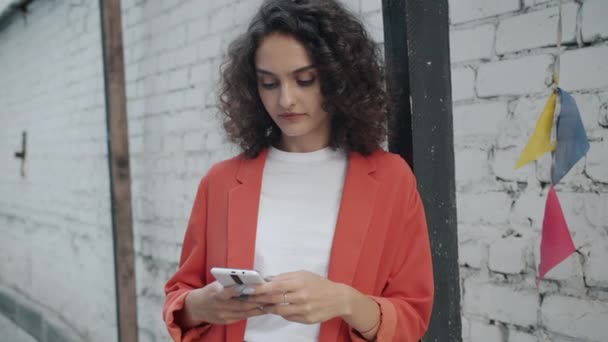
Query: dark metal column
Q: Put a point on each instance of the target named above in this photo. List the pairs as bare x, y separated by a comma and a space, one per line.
418, 78
120, 174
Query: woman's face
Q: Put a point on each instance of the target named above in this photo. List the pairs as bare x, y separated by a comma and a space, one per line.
289, 87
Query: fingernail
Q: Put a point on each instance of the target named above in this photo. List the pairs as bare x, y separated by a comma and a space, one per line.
240, 288
248, 291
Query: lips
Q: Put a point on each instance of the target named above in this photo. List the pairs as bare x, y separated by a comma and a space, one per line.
291, 116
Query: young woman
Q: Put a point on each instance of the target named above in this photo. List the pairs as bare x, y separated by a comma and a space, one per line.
313, 200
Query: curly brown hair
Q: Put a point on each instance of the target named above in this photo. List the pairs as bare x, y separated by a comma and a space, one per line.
348, 64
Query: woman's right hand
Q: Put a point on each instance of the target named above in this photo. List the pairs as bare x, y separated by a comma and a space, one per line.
214, 304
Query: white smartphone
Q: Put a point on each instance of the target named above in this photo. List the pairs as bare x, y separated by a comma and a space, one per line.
233, 277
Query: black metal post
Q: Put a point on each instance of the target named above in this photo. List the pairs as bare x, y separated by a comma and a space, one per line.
397, 79
418, 73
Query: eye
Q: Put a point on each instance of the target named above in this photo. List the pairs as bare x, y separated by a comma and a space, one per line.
306, 82
269, 85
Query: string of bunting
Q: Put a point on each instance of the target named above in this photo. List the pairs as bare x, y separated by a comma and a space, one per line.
559, 130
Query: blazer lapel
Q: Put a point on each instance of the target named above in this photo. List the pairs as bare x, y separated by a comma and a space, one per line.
356, 209
243, 205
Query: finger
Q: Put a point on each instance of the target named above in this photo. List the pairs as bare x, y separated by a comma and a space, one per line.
277, 286
238, 306
285, 310
289, 275
237, 316
228, 293
276, 298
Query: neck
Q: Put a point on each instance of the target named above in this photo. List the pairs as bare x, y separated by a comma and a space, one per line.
293, 144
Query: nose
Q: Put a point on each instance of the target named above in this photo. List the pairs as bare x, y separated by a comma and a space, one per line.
287, 98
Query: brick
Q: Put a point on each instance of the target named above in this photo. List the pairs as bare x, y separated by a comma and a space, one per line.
501, 303
178, 79
473, 244
221, 19
209, 47
536, 29
193, 141
197, 29
578, 318
596, 161
473, 208
508, 255
479, 118
503, 165
584, 68
519, 76
594, 25
517, 336
481, 332
463, 83
472, 254
472, 43
596, 271
179, 58
467, 10
193, 98
585, 213
463, 161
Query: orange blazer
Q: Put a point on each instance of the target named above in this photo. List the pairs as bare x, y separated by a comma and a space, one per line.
380, 246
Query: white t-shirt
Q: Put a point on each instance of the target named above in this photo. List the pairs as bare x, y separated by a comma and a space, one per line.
299, 205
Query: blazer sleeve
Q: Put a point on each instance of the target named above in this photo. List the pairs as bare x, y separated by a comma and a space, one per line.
407, 299
191, 271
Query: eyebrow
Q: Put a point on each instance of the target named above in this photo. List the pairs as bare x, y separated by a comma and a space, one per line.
298, 70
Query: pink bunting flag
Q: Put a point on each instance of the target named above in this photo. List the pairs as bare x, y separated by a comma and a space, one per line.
556, 244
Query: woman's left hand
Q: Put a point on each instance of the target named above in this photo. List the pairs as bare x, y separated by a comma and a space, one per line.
303, 297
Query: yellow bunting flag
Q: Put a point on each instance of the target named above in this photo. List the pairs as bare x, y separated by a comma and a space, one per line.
540, 141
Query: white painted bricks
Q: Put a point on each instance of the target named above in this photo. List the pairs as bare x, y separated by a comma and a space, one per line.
585, 68
519, 76
473, 43
466, 10
501, 302
502, 60
577, 318
536, 29
595, 25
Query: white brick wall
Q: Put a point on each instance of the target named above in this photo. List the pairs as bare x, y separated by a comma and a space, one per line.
502, 57
55, 227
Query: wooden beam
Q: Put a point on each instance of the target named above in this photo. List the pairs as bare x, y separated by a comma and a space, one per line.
120, 175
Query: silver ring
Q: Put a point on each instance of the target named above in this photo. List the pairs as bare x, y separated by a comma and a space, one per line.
284, 297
